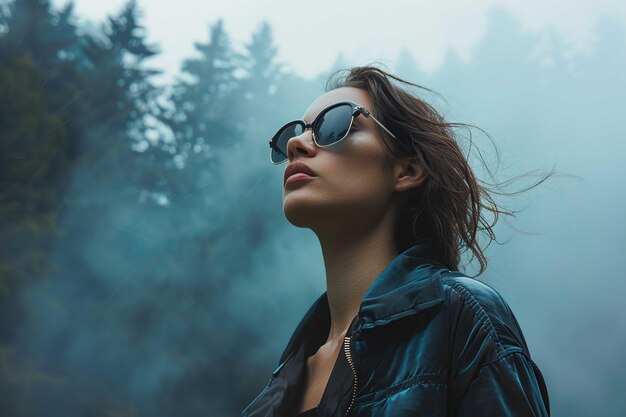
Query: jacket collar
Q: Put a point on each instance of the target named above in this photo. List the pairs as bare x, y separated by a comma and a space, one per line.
406, 286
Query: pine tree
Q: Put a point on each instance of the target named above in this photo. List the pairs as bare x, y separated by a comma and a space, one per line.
119, 101
259, 87
36, 145
202, 118
33, 176
262, 67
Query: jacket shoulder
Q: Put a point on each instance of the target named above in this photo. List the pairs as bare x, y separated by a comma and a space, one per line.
481, 307
490, 358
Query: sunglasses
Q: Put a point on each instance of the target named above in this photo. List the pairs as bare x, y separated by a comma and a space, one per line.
330, 126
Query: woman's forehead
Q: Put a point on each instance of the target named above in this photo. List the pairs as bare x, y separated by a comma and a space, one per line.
353, 94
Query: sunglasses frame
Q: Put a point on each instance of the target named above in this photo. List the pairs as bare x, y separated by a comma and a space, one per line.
356, 110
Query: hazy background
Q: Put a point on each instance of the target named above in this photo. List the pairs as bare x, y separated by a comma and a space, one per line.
146, 267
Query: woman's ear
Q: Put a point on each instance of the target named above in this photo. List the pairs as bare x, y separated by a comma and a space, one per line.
408, 174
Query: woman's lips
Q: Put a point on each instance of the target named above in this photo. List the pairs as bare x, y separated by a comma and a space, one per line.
300, 176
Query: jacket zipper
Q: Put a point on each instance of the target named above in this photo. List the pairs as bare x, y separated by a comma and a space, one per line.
346, 346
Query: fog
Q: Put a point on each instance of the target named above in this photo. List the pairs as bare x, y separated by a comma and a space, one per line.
151, 270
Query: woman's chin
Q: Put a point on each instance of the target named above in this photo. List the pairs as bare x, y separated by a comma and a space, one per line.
297, 216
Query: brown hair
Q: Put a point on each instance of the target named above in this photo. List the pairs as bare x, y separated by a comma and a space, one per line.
447, 208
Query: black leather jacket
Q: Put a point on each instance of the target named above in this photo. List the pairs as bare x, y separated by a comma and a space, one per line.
427, 341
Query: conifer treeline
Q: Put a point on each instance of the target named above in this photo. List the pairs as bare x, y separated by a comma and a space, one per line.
79, 110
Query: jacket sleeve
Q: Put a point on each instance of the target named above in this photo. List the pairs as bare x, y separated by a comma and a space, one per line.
512, 386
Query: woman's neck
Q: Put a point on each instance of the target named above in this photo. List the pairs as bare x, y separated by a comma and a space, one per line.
351, 268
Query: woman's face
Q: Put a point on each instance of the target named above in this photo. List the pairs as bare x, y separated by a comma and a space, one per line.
354, 180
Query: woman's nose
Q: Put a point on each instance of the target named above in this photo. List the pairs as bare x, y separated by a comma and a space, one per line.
302, 143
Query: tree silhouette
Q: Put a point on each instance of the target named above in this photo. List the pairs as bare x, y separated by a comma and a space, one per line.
202, 100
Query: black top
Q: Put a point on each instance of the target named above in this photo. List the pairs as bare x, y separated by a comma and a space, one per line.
337, 393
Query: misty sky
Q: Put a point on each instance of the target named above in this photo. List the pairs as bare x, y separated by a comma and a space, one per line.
309, 35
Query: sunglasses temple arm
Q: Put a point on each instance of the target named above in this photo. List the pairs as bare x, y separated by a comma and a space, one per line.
381, 125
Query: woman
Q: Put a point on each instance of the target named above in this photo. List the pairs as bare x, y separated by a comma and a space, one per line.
377, 174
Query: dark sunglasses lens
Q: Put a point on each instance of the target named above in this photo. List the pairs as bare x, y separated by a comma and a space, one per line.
282, 137
333, 125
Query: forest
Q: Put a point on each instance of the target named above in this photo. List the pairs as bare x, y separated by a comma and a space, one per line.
143, 246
